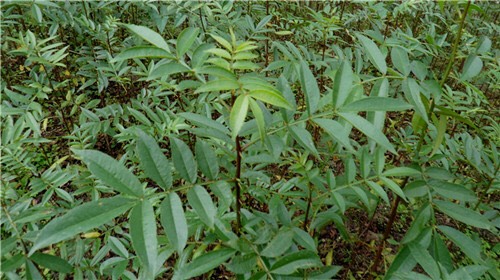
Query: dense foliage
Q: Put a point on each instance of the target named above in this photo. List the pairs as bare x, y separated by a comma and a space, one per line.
249, 140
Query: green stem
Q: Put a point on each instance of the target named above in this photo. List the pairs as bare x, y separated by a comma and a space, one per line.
455, 45
490, 183
14, 227
257, 139
443, 80
264, 266
392, 216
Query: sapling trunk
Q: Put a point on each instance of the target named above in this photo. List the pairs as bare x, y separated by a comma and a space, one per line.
387, 231
308, 209
237, 185
392, 216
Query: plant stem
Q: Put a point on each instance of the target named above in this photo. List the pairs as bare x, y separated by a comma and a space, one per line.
378, 255
490, 183
14, 227
266, 62
387, 231
264, 266
342, 10
237, 185
63, 114
308, 209
201, 20
445, 77
455, 45
237, 176
324, 45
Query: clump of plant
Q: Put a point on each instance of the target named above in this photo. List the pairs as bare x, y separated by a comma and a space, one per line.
249, 140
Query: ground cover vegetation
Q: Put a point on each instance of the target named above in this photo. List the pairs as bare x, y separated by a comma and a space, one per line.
249, 140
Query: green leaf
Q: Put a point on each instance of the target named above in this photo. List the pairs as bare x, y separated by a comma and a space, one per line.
245, 55
245, 46
284, 87
218, 72
453, 191
204, 121
472, 67
470, 272
425, 260
143, 235
8, 244
186, 40
243, 264
404, 262
484, 45
202, 204
279, 244
259, 117
218, 85
200, 55
207, 160
339, 201
463, 214
440, 252
167, 69
379, 191
342, 84
373, 52
238, 114
12, 263
153, 161
395, 188
309, 87
139, 116
283, 32
251, 83
304, 138
142, 52
325, 272
369, 130
270, 96
377, 118
149, 35
401, 172
336, 131
80, 219
204, 263
447, 112
223, 42
471, 248
111, 172
220, 53
412, 94
278, 210
183, 160
245, 65
296, 260
32, 272
441, 131
400, 60
52, 262
117, 247
303, 239
362, 194
174, 222
37, 13
376, 104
